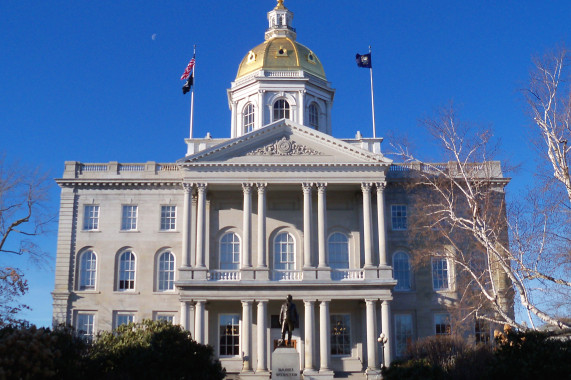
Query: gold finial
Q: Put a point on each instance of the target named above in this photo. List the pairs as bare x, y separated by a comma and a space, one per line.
280, 4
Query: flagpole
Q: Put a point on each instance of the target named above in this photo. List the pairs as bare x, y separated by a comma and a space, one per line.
192, 94
373, 99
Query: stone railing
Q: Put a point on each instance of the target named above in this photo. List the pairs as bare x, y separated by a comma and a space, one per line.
287, 275
347, 274
75, 169
223, 275
488, 169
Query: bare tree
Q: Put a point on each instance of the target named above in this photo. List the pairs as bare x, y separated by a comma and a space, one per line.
23, 216
459, 214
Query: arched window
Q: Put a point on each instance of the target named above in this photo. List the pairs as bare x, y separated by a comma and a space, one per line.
284, 252
87, 270
229, 251
165, 275
401, 268
281, 109
126, 275
338, 251
314, 116
248, 118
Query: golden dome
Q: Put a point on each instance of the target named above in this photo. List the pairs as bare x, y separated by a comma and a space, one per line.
281, 53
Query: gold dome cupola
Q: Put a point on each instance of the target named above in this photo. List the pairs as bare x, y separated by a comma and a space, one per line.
280, 78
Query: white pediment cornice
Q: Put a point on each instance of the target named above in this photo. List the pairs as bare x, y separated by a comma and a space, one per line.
284, 143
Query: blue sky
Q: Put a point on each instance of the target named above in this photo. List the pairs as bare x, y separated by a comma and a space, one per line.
98, 81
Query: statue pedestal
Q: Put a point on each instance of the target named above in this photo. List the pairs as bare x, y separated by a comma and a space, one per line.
285, 364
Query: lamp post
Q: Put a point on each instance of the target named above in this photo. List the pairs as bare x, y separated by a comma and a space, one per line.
382, 339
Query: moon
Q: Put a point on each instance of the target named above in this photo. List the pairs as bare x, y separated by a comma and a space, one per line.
154, 36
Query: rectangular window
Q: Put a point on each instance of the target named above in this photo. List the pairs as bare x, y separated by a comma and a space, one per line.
164, 317
340, 334
482, 332
403, 333
91, 218
129, 220
440, 274
84, 326
168, 218
398, 217
229, 335
123, 318
442, 324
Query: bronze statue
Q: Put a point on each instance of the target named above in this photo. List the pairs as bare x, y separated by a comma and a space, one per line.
288, 319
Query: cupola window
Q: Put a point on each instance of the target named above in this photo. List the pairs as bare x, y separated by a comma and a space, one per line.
281, 109
313, 116
248, 118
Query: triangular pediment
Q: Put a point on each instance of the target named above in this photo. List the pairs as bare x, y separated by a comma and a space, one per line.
284, 142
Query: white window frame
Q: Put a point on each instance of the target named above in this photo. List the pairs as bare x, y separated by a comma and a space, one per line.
334, 249
405, 271
91, 214
87, 271
399, 217
168, 217
345, 347
89, 332
281, 109
163, 271
130, 273
220, 335
164, 316
313, 115
404, 332
442, 319
129, 216
249, 118
120, 314
235, 249
440, 274
289, 263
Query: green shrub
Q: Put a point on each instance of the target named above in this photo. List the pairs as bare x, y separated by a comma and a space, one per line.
152, 350
27, 352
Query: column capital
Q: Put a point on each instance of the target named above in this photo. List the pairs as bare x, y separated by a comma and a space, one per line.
324, 300
261, 187
187, 186
321, 186
247, 302
366, 186
201, 187
246, 188
307, 186
309, 302
381, 186
371, 300
262, 301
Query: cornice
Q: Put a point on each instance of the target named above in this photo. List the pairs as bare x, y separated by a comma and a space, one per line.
119, 183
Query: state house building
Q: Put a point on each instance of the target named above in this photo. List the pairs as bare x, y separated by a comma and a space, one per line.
217, 240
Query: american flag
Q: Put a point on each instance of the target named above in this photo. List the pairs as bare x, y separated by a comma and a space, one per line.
188, 69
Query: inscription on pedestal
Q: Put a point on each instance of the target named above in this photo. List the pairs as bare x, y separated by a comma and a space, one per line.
285, 364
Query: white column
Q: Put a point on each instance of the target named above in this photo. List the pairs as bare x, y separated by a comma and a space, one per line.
324, 335
372, 348
246, 335
186, 215
234, 121
262, 225
307, 224
246, 227
262, 339
199, 322
367, 226
322, 224
309, 333
259, 122
184, 315
381, 223
200, 220
386, 324
302, 107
